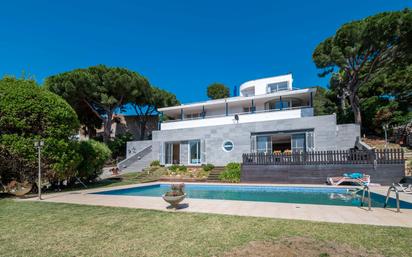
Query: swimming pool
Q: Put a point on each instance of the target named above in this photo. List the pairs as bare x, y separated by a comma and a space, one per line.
280, 194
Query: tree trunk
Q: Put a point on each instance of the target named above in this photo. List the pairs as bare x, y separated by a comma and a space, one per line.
107, 127
342, 104
354, 102
142, 129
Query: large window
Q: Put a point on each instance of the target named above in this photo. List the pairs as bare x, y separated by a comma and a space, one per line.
282, 142
264, 144
298, 142
194, 152
279, 86
277, 105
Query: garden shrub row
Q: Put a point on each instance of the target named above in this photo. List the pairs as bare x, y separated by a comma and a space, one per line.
231, 173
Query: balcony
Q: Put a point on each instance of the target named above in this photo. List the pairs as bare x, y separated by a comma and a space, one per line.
243, 117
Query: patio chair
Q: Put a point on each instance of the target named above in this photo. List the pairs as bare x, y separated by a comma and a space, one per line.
404, 185
403, 188
360, 180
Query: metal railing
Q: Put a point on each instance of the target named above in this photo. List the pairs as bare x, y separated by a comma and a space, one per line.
125, 163
394, 189
239, 113
366, 189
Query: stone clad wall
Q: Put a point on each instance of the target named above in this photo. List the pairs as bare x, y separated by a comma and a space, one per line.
327, 136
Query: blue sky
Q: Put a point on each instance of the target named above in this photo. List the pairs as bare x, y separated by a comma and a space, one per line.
181, 46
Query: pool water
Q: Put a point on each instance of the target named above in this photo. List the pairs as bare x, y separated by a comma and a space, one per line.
280, 194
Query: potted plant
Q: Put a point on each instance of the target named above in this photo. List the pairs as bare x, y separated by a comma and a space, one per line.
175, 196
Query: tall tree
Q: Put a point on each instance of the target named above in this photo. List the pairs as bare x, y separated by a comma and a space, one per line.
323, 102
217, 91
99, 90
359, 50
156, 98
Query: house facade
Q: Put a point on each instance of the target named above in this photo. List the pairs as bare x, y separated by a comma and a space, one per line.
268, 116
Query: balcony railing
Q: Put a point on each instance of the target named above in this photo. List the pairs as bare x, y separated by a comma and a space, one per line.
238, 113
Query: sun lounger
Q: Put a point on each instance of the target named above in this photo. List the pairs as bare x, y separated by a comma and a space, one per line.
335, 181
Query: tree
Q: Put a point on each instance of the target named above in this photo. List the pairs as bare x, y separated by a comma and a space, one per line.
156, 98
28, 112
217, 91
99, 90
360, 50
323, 102
94, 154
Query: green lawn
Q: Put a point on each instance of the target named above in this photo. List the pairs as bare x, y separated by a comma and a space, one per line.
121, 180
50, 229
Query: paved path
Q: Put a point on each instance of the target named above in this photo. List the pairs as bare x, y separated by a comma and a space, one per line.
326, 213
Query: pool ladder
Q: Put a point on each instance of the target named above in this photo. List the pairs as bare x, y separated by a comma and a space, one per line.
364, 190
394, 189
390, 189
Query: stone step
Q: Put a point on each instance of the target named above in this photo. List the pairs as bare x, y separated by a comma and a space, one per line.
214, 174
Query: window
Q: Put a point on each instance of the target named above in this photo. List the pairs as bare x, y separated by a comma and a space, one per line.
249, 109
264, 144
249, 92
279, 86
277, 105
227, 146
281, 105
310, 144
193, 115
194, 152
298, 142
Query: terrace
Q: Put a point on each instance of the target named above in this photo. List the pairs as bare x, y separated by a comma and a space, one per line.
243, 109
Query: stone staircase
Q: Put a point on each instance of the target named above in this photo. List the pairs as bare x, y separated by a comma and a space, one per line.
214, 174
408, 162
137, 162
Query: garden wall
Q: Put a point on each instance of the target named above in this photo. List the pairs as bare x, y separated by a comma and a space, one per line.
384, 174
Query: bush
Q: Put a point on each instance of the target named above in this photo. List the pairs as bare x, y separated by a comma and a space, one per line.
118, 145
155, 163
178, 169
94, 155
183, 168
231, 173
29, 112
174, 167
208, 167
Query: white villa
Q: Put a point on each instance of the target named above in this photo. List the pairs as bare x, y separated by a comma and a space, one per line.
259, 100
269, 115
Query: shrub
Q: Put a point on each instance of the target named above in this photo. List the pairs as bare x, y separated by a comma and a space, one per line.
231, 173
174, 167
118, 145
183, 168
94, 154
208, 167
155, 163
29, 112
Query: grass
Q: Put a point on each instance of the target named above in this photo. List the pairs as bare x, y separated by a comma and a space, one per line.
149, 175
52, 229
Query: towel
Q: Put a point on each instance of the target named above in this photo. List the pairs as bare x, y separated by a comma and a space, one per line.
354, 175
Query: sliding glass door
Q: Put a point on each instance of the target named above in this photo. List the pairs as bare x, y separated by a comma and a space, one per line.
298, 142
194, 152
172, 153
264, 144
283, 142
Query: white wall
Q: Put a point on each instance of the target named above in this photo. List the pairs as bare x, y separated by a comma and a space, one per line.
243, 118
260, 85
